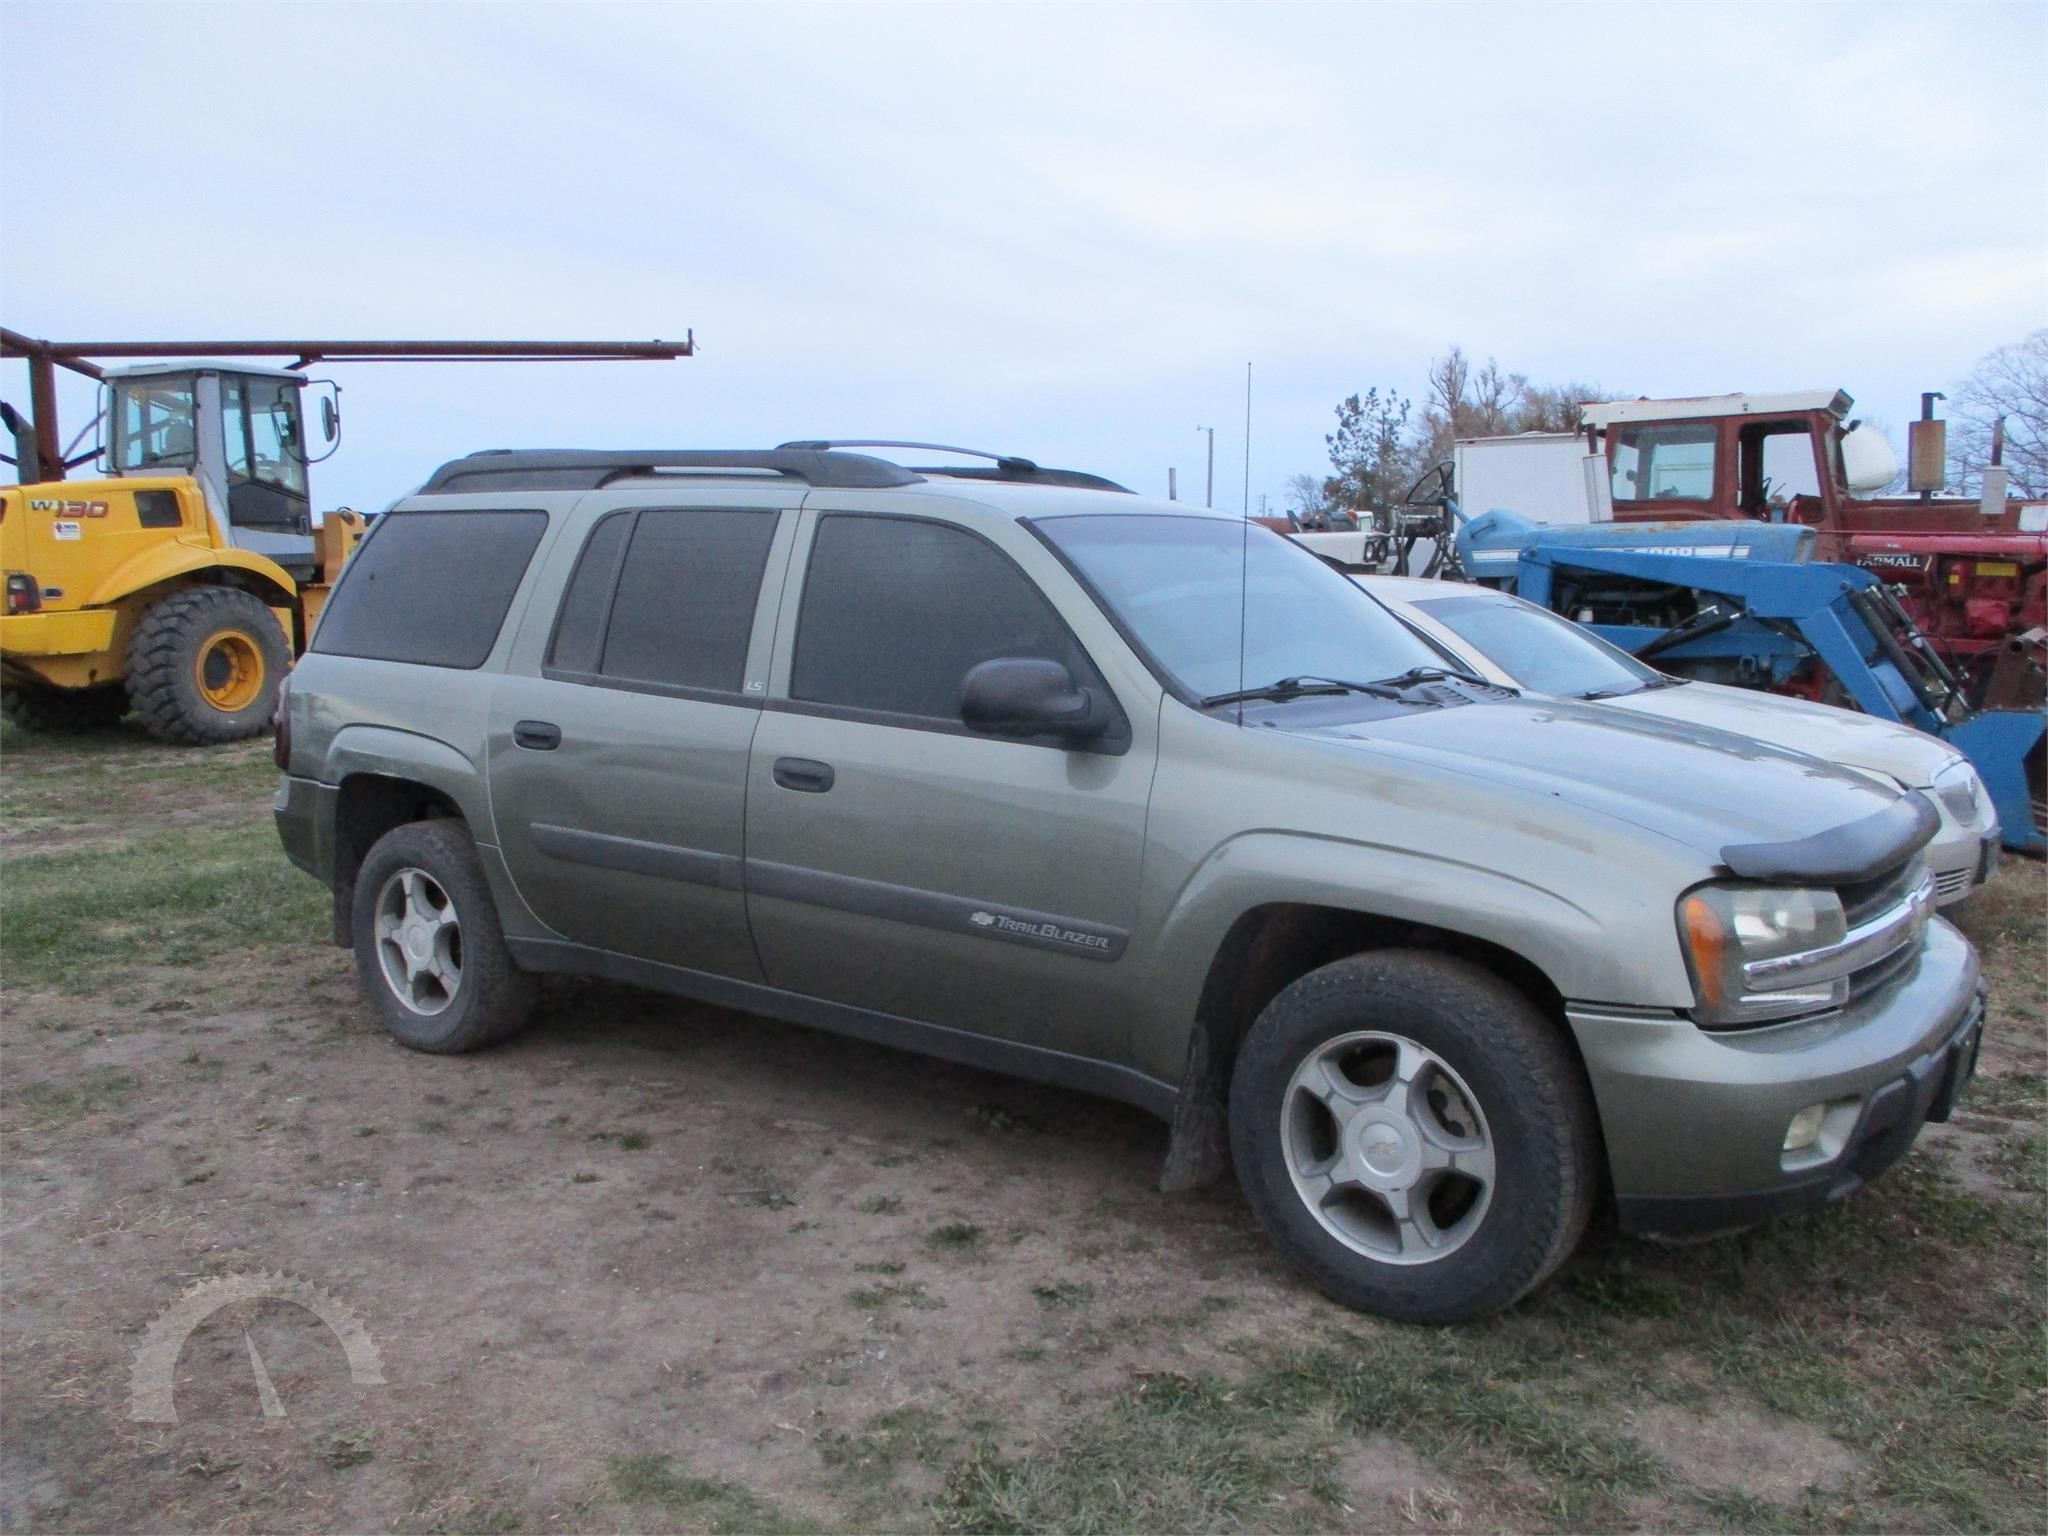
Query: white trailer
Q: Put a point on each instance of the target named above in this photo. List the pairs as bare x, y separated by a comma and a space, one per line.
1547, 477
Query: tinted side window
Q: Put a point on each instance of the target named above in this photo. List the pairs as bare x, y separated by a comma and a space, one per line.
430, 587
682, 605
896, 612
579, 631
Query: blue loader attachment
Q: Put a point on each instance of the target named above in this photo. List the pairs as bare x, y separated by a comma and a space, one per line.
1743, 602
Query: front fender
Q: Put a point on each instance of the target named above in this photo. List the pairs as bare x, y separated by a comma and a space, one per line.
1587, 947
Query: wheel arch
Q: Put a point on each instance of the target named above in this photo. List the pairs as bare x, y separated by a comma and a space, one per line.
156, 572
385, 778
366, 806
1268, 947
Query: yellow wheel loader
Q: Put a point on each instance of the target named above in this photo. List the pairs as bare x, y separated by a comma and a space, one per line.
182, 584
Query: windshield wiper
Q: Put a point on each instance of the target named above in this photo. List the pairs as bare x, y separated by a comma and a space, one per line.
1416, 675
1623, 690
1299, 687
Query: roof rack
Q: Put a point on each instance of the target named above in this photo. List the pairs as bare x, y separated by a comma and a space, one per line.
1008, 466
1008, 461
815, 463
577, 469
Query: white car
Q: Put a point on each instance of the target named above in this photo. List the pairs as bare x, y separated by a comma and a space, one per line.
1509, 640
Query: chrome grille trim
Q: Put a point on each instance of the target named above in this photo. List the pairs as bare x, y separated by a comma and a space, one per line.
1861, 946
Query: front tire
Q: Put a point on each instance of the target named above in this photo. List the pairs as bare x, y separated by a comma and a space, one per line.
429, 952
1414, 1136
204, 665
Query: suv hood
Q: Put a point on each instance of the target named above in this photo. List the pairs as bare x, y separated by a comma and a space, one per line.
1700, 787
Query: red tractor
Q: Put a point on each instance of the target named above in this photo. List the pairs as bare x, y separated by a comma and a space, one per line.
1973, 574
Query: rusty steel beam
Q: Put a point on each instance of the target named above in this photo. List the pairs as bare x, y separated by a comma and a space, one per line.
45, 357
13, 344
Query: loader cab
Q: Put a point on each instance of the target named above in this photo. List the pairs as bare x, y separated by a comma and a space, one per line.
239, 431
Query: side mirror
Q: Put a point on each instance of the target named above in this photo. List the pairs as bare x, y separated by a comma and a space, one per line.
1030, 696
330, 419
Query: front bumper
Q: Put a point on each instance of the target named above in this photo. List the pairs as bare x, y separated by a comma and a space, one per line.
1695, 1121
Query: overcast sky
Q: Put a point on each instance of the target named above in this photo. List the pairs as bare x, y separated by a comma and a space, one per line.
1055, 230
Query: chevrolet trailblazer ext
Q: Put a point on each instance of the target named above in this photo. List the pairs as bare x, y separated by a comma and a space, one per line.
1011, 767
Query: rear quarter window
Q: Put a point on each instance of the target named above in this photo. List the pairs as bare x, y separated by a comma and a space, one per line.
430, 588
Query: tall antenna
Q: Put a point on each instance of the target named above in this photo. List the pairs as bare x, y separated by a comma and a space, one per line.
1247, 439
1244, 541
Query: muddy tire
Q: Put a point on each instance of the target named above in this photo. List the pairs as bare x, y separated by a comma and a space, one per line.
429, 952
64, 711
1414, 1135
204, 665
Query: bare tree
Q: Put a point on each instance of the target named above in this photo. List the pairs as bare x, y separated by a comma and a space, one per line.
1308, 496
1555, 407
1495, 398
2011, 382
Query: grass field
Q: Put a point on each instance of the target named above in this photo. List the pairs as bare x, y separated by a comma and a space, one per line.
654, 1266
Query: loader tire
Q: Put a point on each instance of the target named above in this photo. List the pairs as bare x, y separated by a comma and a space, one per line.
64, 711
204, 665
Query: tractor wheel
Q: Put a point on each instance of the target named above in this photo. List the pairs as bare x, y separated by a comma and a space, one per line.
204, 665
64, 711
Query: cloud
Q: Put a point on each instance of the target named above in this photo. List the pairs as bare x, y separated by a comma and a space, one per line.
1062, 229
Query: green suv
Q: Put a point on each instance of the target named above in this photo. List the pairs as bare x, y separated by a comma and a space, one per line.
1011, 767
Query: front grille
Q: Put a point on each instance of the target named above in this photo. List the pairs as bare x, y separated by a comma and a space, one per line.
1954, 883
1880, 972
1866, 898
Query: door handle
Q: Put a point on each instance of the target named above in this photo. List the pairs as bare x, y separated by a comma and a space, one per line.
537, 735
800, 773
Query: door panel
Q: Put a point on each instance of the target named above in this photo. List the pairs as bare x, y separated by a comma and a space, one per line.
618, 746
628, 835
983, 884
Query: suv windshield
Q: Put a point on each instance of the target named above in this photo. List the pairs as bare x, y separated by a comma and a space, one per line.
1539, 649
1179, 584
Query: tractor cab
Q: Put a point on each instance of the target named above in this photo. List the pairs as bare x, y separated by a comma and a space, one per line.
238, 431
1792, 457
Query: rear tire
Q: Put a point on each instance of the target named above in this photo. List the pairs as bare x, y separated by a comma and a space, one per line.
204, 665
1414, 1136
64, 711
429, 952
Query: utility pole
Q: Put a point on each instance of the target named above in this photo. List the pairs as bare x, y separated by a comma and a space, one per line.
1209, 491
1172, 484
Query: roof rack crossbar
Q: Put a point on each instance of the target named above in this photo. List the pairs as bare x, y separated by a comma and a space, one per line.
1015, 463
586, 469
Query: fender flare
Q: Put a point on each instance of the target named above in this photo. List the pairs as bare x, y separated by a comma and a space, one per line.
386, 752
165, 563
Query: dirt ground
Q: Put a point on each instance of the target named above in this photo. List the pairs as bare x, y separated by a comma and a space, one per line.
658, 1266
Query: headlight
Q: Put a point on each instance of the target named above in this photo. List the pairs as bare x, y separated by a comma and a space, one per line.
1962, 792
1727, 927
